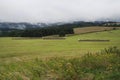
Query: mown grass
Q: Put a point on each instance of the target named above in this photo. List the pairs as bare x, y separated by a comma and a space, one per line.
93, 29
97, 66
38, 59
31, 48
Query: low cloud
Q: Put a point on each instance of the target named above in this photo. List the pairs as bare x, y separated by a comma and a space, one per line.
58, 10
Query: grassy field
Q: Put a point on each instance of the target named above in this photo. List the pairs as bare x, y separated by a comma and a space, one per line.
31, 48
92, 29
38, 59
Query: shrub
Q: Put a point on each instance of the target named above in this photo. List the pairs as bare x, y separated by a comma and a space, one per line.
114, 28
111, 50
61, 34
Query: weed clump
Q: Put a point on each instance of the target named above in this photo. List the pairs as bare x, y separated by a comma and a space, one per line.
100, 66
111, 50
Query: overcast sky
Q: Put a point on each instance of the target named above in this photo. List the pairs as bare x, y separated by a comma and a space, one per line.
58, 10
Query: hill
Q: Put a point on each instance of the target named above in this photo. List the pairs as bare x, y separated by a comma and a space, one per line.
70, 46
93, 29
68, 59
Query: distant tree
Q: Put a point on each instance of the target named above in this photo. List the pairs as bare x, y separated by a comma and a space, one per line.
62, 34
114, 28
32, 33
0, 33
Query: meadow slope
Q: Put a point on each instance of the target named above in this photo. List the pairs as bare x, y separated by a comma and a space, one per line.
32, 48
38, 59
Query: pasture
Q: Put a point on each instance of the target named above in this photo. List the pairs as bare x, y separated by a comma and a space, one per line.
51, 59
92, 29
11, 49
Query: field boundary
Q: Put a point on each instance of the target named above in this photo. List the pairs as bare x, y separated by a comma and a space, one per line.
54, 38
87, 40
25, 38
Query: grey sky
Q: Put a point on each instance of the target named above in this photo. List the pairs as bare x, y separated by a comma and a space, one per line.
58, 10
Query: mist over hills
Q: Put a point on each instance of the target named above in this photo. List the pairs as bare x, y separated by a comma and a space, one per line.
26, 25
9, 25
24, 29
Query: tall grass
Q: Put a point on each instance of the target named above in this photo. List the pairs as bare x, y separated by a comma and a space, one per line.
111, 50
105, 66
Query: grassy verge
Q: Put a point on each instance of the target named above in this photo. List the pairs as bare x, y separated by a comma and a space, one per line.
104, 65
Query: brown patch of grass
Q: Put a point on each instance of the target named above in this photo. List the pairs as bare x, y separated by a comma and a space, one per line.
92, 29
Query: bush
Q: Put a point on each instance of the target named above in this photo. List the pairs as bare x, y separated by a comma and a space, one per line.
114, 28
61, 34
111, 50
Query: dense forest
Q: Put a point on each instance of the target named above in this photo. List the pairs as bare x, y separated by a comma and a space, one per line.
55, 29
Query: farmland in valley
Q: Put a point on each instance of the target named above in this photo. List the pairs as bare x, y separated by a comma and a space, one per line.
21, 59
29, 48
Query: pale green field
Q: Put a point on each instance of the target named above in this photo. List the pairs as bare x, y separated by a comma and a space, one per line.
28, 49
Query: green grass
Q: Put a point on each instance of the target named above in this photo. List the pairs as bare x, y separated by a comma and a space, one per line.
97, 66
37, 59
50, 48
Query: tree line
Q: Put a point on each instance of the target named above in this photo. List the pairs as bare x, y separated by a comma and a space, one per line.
60, 30
37, 32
